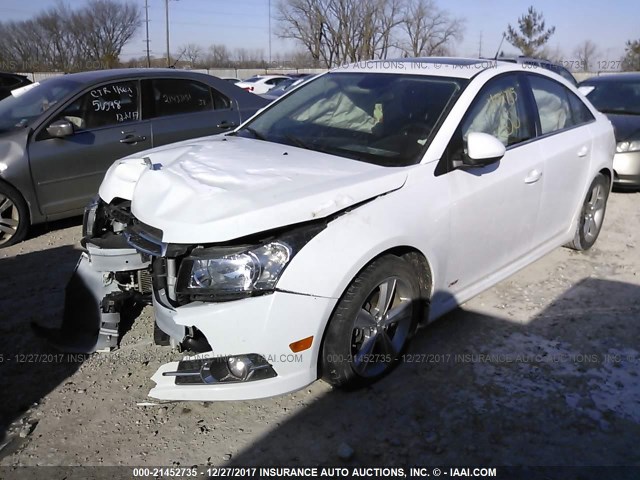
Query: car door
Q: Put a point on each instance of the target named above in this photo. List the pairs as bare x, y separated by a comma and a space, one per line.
181, 108
565, 140
106, 121
494, 208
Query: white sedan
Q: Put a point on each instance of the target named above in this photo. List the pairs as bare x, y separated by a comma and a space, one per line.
259, 84
316, 238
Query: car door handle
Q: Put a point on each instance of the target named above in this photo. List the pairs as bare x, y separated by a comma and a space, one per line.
226, 125
533, 177
583, 151
132, 139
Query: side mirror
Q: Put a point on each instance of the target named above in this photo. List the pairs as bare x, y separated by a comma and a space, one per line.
60, 128
483, 149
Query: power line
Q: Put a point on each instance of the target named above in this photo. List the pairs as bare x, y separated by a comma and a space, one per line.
226, 25
227, 14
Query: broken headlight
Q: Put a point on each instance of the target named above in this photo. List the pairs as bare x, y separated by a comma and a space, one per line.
227, 273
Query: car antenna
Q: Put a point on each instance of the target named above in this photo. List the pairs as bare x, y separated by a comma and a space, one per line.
177, 60
499, 46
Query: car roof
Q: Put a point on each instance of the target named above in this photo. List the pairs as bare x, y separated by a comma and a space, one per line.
457, 67
98, 75
523, 59
614, 77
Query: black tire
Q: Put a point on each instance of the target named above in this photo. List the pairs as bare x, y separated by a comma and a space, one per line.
591, 214
14, 216
362, 343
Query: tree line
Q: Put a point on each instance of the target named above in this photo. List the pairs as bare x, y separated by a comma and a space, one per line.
334, 32
327, 33
65, 39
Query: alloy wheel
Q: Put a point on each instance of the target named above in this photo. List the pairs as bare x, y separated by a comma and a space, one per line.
9, 219
381, 327
594, 212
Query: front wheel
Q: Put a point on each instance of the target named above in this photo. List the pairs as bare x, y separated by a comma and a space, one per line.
372, 323
14, 216
592, 214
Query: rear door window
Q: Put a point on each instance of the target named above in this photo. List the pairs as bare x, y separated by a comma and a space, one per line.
557, 109
175, 96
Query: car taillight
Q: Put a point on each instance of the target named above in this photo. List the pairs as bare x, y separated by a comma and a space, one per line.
249, 89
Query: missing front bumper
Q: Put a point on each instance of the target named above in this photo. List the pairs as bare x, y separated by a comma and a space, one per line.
96, 298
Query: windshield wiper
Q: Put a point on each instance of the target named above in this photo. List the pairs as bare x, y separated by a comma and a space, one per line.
297, 142
254, 132
257, 135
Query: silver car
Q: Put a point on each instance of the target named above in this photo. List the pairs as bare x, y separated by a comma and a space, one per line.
58, 137
618, 96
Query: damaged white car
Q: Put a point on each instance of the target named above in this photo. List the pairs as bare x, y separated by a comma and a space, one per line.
314, 239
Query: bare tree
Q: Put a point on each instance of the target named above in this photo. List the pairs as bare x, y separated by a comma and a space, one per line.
63, 39
533, 33
218, 56
192, 52
338, 31
554, 54
106, 26
246, 58
429, 29
585, 52
306, 21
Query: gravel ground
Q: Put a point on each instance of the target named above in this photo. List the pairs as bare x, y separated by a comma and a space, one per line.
543, 369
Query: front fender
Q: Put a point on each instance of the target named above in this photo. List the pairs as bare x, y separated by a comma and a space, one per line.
331, 260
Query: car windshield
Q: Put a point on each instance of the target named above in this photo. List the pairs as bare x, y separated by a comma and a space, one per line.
615, 96
252, 79
380, 118
18, 110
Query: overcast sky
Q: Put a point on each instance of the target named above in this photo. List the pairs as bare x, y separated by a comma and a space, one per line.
245, 23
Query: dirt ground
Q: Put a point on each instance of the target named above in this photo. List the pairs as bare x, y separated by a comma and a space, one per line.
543, 369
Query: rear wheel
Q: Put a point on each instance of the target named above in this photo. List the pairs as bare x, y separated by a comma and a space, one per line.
372, 323
592, 214
14, 216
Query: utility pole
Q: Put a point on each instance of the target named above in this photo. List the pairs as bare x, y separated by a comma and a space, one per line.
269, 33
166, 12
480, 47
146, 21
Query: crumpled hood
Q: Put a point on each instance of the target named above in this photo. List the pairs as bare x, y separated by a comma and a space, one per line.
223, 187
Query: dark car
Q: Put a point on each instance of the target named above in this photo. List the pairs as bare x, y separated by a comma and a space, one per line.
11, 81
542, 63
58, 138
618, 96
